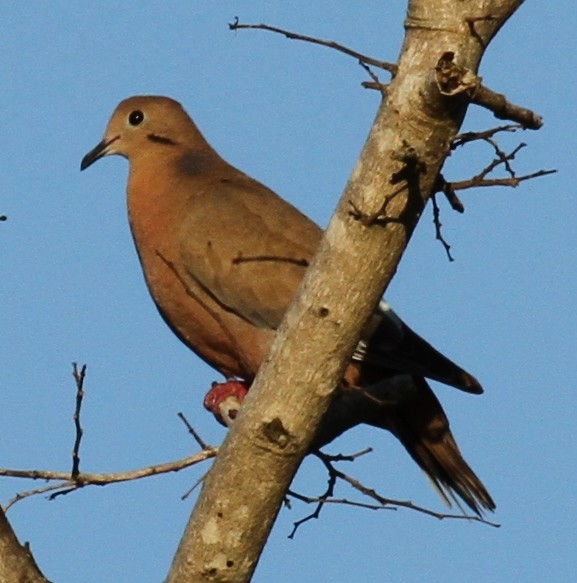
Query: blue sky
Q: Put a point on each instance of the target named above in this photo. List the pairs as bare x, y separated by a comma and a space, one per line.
295, 117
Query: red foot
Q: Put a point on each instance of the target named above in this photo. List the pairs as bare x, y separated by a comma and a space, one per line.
224, 400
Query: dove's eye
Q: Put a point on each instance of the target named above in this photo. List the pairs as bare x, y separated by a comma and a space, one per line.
135, 118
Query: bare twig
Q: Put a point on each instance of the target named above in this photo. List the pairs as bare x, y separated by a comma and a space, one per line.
193, 487
34, 492
503, 109
320, 502
390, 67
467, 137
382, 503
79, 376
327, 497
193, 432
512, 181
88, 479
502, 159
339, 457
369, 492
375, 83
438, 226
450, 194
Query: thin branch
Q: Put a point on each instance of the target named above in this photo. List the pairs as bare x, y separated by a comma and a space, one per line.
513, 181
382, 503
79, 376
467, 137
92, 479
375, 83
447, 189
438, 226
320, 500
339, 457
390, 67
194, 487
502, 159
504, 109
202, 444
371, 493
34, 492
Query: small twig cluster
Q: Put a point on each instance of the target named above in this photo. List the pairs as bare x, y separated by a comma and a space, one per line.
451, 80
378, 502
483, 178
67, 482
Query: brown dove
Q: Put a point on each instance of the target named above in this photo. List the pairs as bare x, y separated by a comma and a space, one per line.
223, 255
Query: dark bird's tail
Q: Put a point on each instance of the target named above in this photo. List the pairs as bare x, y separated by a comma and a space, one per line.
420, 424
407, 407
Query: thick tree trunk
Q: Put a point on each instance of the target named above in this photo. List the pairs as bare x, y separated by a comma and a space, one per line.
359, 254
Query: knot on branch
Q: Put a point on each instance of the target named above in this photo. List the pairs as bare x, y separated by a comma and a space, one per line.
276, 433
452, 79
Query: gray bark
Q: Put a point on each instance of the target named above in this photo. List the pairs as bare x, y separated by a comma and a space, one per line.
393, 179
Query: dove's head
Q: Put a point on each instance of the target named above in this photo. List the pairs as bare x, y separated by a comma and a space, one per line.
145, 126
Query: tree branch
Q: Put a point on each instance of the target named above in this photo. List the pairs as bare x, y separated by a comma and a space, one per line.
502, 108
17, 565
363, 59
406, 147
79, 376
68, 484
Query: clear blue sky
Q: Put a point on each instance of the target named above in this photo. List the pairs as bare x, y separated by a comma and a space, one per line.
295, 117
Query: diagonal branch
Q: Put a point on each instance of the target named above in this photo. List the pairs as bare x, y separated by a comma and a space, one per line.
355, 262
17, 565
390, 67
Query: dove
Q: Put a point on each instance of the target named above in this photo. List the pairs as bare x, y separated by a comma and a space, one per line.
223, 256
